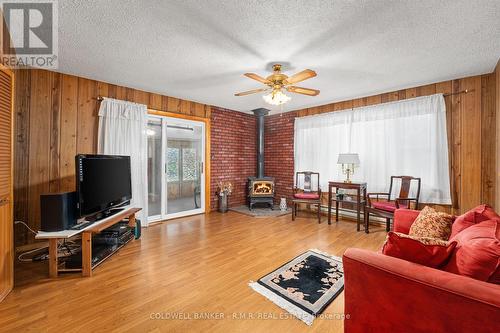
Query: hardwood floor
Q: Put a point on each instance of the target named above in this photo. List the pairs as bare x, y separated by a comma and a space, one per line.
195, 265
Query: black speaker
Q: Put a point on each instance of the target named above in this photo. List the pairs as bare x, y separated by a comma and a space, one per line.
58, 211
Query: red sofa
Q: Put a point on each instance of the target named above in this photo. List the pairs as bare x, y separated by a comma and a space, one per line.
386, 294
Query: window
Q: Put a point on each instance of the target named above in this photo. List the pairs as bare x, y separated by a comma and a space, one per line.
173, 164
398, 138
189, 165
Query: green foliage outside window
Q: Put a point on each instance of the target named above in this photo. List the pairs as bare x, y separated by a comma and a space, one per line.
189, 164
172, 164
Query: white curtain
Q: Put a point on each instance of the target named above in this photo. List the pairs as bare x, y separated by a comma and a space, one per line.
392, 139
122, 131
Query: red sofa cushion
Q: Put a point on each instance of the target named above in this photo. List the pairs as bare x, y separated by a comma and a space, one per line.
476, 215
477, 254
310, 196
463, 222
410, 249
403, 219
485, 212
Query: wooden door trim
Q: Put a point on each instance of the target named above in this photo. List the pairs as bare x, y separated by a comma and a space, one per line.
207, 146
9, 72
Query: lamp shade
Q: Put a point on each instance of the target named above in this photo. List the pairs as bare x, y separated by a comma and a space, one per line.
348, 159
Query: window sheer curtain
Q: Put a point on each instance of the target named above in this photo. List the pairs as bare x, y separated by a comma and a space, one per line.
398, 138
122, 131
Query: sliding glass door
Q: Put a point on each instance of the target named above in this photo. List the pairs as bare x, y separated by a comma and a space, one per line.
155, 168
176, 153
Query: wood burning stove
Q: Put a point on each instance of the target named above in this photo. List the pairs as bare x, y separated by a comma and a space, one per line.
260, 188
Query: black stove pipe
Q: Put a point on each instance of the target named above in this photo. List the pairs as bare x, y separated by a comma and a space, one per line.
260, 114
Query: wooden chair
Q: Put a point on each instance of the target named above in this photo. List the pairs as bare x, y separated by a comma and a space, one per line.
306, 191
387, 207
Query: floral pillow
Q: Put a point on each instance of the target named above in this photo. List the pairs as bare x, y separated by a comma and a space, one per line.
432, 224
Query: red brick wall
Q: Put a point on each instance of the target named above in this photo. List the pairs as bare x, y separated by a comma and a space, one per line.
233, 153
278, 152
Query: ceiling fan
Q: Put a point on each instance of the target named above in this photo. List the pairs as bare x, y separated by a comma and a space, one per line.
278, 81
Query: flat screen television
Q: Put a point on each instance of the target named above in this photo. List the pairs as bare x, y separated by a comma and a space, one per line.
103, 182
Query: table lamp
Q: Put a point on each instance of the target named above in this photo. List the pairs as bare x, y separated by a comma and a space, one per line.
348, 161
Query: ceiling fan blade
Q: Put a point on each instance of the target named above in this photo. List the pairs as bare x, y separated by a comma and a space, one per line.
250, 92
303, 91
256, 77
300, 76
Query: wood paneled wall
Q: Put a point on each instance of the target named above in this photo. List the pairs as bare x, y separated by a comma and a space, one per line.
497, 153
56, 118
471, 125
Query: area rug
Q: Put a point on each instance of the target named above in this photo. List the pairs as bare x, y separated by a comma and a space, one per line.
260, 212
305, 285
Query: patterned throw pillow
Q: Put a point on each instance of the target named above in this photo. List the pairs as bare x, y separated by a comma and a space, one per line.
424, 240
432, 224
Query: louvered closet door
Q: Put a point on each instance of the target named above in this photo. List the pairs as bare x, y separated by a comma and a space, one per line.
6, 202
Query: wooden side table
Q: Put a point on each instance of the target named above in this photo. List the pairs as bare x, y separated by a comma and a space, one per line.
359, 202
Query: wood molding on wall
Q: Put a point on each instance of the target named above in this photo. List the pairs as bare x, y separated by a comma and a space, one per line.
56, 118
7, 252
471, 122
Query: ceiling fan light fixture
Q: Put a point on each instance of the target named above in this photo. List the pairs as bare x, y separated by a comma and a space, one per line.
278, 82
276, 97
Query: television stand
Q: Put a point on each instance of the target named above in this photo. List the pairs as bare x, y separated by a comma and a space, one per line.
86, 234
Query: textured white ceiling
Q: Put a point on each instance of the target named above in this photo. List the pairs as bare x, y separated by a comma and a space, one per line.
198, 50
